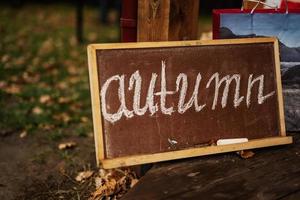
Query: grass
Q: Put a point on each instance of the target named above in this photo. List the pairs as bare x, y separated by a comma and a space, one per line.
43, 70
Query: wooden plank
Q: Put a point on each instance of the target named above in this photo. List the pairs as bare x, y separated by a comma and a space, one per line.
94, 88
279, 90
188, 153
163, 20
141, 45
98, 128
153, 20
273, 173
183, 22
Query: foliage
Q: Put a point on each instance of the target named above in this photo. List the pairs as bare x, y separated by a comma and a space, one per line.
43, 70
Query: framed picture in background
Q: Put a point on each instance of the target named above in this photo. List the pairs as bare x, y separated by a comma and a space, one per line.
281, 23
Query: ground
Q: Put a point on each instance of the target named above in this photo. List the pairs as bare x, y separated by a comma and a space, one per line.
45, 101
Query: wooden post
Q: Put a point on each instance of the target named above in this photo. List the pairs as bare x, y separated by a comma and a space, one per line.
162, 20
153, 20
183, 21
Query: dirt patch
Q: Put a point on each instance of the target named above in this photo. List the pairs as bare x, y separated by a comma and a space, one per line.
34, 168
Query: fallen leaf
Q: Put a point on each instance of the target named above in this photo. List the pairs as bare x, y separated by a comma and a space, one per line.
3, 84
73, 70
107, 189
23, 134
46, 47
37, 110
74, 79
65, 117
82, 176
46, 127
64, 100
14, 78
246, 154
30, 78
113, 184
99, 182
84, 119
67, 145
133, 182
5, 58
45, 98
61, 85
12, 89
193, 174
19, 60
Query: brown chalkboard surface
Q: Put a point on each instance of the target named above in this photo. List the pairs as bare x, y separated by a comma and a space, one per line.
159, 101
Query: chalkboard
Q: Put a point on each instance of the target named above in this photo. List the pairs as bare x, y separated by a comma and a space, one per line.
159, 101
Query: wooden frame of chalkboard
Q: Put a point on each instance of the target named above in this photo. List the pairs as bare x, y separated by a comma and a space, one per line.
184, 153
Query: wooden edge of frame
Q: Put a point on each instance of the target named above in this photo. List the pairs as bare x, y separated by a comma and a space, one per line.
193, 152
132, 45
95, 96
279, 89
142, 159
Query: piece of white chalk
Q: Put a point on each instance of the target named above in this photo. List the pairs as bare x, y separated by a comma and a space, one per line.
231, 141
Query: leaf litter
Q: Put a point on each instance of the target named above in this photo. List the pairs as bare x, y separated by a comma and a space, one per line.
113, 184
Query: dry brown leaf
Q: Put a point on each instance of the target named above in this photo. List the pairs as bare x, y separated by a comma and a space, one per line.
74, 79
66, 145
64, 100
45, 98
73, 70
82, 176
84, 119
37, 110
3, 84
246, 154
46, 47
99, 182
5, 58
14, 78
12, 89
20, 60
23, 134
113, 183
133, 182
62, 85
65, 117
30, 78
107, 189
46, 127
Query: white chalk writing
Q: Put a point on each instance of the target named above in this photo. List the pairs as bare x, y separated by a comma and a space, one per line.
181, 88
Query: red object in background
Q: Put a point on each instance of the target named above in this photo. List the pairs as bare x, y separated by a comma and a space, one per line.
291, 4
128, 21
